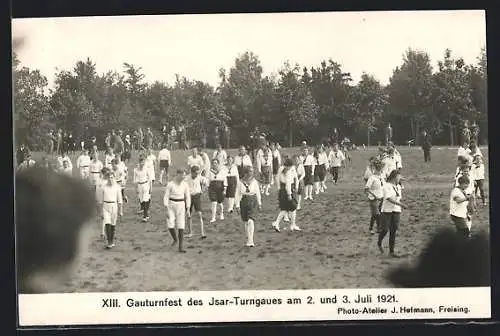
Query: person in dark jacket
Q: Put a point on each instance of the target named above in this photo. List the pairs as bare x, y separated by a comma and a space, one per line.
426, 146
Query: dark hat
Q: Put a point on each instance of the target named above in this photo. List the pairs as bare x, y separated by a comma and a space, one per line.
449, 260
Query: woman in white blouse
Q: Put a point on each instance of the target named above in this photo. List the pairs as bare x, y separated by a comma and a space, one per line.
217, 183
248, 200
287, 177
309, 165
242, 160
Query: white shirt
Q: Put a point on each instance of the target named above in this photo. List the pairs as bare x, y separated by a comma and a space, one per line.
26, 164
196, 184
336, 158
107, 159
476, 152
288, 179
120, 174
276, 154
309, 160
368, 172
206, 161
96, 166
67, 171
458, 209
195, 161
142, 175
233, 171
389, 165
110, 193
375, 185
391, 191
245, 160
463, 151
61, 159
164, 155
221, 175
300, 172
398, 160
322, 158
150, 161
220, 156
458, 174
83, 161
477, 172
178, 192
253, 189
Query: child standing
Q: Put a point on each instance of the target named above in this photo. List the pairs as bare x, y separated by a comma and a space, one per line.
248, 200
232, 181
287, 178
369, 169
459, 201
177, 200
374, 189
242, 160
299, 168
217, 178
391, 211
142, 180
309, 165
108, 157
336, 158
265, 167
112, 207
120, 176
96, 167
150, 163
276, 162
196, 184
478, 176
320, 170
165, 161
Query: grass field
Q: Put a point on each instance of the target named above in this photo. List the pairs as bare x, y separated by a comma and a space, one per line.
334, 250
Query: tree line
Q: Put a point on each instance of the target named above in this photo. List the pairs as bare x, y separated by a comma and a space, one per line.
294, 104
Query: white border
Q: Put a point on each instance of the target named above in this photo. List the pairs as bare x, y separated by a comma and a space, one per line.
86, 309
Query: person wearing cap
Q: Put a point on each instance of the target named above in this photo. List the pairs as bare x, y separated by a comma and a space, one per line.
177, 200
248, 200
287, 178
142, 180
110, 200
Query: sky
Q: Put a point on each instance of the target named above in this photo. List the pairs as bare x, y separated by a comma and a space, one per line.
197, 46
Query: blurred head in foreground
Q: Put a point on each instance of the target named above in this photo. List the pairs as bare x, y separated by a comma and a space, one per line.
448, 261
52, 213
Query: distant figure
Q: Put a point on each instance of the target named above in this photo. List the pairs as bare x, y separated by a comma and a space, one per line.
203, 139
21, 154
388, 134
227, 136
149, 138
140, 139
52, 211
183, 138
475, 132
466, 133
426, 146
448, 260
59, 141
216, 136
335, 136
50, 143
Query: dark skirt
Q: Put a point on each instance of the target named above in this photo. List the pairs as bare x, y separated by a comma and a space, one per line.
284, 203
300, 189
319, 173
216, 191
276, 165
231, 187
265, 176
308, 179
248, 207
195, 203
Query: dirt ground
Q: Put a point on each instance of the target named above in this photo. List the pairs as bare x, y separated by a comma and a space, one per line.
334, 250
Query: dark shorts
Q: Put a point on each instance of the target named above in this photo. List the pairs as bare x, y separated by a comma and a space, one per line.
390, 221
231, 187
284, 203
460, 223
479, 183
216, 191
248, 207
195, 203
319, 173
308, 179
375, 206
164, 165
276, 166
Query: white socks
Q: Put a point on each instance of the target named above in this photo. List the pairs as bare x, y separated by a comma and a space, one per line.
230, 204
214, 211
221, 211
250, 226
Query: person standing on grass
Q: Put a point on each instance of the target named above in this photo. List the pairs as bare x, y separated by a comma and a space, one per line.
64, 158
336, 160
108, 157
391, 211
464, 169
151, 164
321, 169
459, 206
248, 200
127, 149
120, 174
232, 181
195, 159
309, 166
389, 162
206, 163
177, 200
369, 169
96, 167
242, 160
396, 156
474, 150
83, 164
276, 163
478, 176
265, 168
374, 188
217, 178
27, 162
220, 154
426, 146
142, 179
165, 161
196, 184
301, 173
287, 178
111, 205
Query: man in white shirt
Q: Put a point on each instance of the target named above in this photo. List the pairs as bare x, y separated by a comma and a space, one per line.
110, 199
336, 159
374, 189
220, 154
177, 199
195, 159
459, 201
83, 164
165, 160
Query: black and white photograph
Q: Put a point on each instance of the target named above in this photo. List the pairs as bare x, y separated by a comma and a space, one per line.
257, 153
